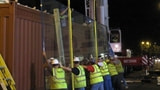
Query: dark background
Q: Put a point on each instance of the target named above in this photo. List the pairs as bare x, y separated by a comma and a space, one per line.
138, 19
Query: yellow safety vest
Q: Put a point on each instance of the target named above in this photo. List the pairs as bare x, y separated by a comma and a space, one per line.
96, 76
59, 81
104, 69
80, 80
119, 68
112, 69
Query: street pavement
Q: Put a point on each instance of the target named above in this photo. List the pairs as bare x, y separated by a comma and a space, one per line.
137, 80
143, 86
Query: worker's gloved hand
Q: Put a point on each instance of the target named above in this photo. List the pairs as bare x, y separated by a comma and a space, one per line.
60, 64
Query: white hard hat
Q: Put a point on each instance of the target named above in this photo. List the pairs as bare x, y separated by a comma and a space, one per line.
55, 61
106, 56
51, 58
76, 59
115, 56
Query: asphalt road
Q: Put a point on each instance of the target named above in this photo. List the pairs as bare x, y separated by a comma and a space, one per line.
137, 80
143, 86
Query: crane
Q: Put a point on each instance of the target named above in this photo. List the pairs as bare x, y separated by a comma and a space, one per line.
101, 10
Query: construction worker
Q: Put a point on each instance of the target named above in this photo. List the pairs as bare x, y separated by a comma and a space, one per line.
120, 70
79, 74
102, 63
114, 74
85, 62
96, 79
59, 82
48, 73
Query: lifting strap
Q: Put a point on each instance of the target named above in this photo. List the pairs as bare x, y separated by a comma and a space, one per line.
6, 80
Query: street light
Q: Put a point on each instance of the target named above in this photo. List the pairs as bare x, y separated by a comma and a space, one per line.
142, 43
145, 45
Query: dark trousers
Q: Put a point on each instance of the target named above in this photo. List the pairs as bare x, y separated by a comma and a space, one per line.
116, 83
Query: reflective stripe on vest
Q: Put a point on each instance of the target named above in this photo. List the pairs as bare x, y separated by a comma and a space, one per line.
58, 79
96, 76
112, 69
104, 69
80, 80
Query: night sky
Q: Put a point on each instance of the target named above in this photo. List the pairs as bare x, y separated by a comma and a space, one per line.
138, 19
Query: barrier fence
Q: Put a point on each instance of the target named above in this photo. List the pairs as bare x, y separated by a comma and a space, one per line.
83, 36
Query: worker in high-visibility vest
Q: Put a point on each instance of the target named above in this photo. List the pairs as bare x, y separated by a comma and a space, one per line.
102, 63
114, 74
48, 73
96, 79
79, 74
59, 82
120, 70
